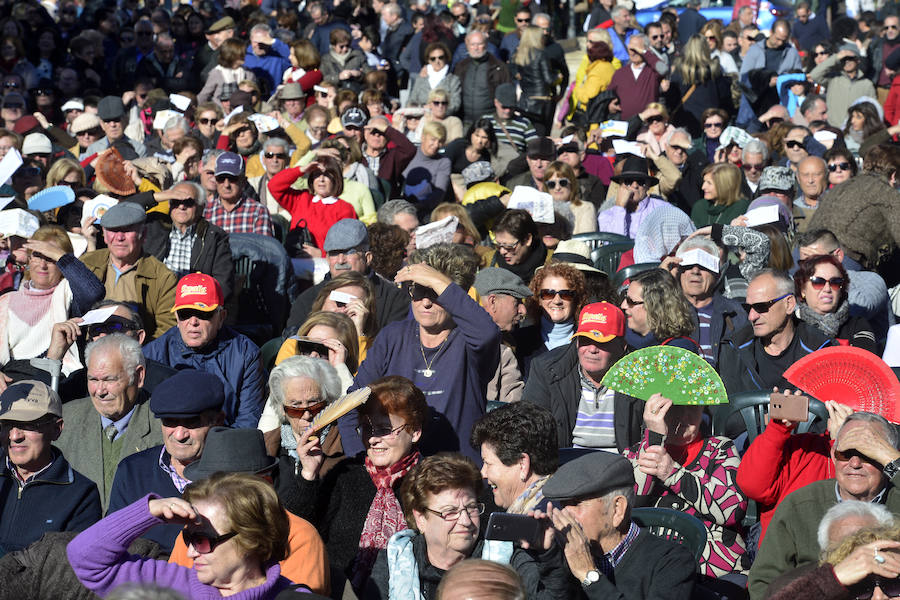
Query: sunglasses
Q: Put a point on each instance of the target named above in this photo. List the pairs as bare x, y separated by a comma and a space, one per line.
186, 313
749, 167
631, 302
774, 121
655, 119
116, 120
71, 184
891, 27
793, 144
507, 247
518, 20
822, 53
656, 37
866, 588
562, 182
110, 326
437, 58
298, 412
717, 124
228, 178
419, 292
322, 94
27, 425
440, 102
179, 203
841, 166
763, 307
630, 182
94, 132
277, 155
847, 59
207, 121
834, 283
43, 92
567, 295
205, 542
11, 85
375, 132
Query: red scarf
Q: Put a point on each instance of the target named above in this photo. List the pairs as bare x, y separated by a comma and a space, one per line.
685, 455
385, 516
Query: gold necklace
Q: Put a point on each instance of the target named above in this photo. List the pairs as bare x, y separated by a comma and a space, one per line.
428, 372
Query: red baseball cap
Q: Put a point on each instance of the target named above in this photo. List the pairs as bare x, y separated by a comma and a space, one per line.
601, 322
198, 291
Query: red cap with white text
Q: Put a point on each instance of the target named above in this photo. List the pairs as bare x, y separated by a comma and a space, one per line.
601, 322
198, 291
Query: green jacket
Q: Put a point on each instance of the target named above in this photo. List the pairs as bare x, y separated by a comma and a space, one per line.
791, 537
155, 285
704, 213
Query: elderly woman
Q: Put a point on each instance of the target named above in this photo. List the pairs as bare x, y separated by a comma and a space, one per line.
722, 201
57, 286
344, 66
427, 177
518, 245
448, 345
436, 75
355, 506
657, 313
841, 165
235, 522
68, 172
318, 208
562, 183
440, 503
679, 468
557, 297
822, 286
519, 453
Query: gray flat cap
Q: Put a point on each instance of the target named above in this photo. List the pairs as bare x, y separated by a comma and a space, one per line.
346, 234
594, 474
495, 280
123, 214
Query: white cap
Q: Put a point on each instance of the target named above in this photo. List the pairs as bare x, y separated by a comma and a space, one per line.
73, 105
36, 143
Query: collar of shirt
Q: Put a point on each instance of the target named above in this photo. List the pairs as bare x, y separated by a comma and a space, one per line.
165, 463
637, 69
121, 424
878, 499
237, 204
326, 201
187, 232
15, 472
586, 382
615, 556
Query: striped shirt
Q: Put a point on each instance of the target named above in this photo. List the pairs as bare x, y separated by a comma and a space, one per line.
704, 317
515, 131
594, 426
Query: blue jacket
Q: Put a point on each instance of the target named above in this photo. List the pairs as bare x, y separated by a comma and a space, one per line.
462, 369
138, 475
727, 317
271, 67
322, 34
59, 499
232, 357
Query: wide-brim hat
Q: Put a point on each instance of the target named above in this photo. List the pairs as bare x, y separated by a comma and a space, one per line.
577, 254
635, 167
231, 451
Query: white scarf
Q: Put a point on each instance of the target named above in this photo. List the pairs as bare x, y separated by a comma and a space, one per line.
325, 201
435, 77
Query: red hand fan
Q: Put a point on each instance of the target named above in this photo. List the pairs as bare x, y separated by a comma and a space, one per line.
851, 376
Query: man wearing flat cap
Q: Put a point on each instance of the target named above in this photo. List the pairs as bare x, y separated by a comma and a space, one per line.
567, 379
591, 498
113, 120
208, 54
502, 292
130, 274
513, 131
39, 491
187, 405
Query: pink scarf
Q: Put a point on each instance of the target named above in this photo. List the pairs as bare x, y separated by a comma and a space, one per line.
31, 304
385, 517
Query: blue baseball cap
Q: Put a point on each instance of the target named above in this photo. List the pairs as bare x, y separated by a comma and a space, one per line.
229, 163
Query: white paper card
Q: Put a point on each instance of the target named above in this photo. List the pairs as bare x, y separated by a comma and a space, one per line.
438, 232
762, 215
614, 128
10, 163
823, 135
159, 121
538, 204
98, 315
264, 123
4, 200
341, 297
237, 110
96, 207
17, 221
702, 258
180, 102
626, 147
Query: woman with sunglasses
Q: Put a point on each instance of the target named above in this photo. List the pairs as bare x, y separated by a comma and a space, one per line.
657, 313
558, 293
841, 165
656, 129
712, 32
205, 118
67, 172
713, 122
562, 183
436, 74
86, 130
436, 110
236, 529
355, 505
822, 286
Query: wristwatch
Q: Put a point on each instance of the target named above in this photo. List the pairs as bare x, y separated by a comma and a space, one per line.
592, 576
892, 468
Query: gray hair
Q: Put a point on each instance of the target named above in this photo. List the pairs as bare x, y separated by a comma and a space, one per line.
618, 9
391, 208
199, 192
177, 123
702, 242
541, 16
472, 34
212, 154
317, 369
394, 9
129, 350
639, 37
869, 417
261, 27
755, 146
281, 143
784, 284
851, 508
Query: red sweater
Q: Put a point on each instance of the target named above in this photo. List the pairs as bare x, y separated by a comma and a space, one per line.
778, 463
317, 217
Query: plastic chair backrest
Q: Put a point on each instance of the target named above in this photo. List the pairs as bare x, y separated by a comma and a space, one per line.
606, 258
597, 239
673, 525
269, 351
753, 407
630, 271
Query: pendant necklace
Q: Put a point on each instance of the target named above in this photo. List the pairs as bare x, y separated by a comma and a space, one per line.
428, 372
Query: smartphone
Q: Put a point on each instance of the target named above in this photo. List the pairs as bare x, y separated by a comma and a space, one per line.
508, 527
789, 407
341, 298
307, 345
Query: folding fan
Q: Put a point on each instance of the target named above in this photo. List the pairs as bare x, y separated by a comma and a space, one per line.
110, 170
851, 376
340, 407
676, 373
51, 197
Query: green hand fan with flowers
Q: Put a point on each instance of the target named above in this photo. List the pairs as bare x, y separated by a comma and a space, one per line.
676, 373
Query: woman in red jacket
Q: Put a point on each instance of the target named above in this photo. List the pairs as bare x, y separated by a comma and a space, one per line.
318, 207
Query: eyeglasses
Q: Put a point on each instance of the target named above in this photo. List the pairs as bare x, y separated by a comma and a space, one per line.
225, 177
751, 167
278, 155
631, 302
507, 247
763, 307
716, 124
822, 53
834, 283
473, 510
367, 430
185, 203
866, 588
11, 85
567, 295
112, 325
793, 144
418, 292
841, 166
655, 119
437, 58
207, 121
298, 412
205, 542
562, 182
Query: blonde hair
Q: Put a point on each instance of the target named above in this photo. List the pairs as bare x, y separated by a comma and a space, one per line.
661, 109
436, 130
696, 64
63, 167
727, 179
531, 43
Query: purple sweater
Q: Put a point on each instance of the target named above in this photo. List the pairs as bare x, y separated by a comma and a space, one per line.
100, 559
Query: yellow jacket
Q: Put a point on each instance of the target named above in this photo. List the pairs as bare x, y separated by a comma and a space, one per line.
591, 81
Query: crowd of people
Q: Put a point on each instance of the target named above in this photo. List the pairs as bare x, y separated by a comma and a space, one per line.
220, 220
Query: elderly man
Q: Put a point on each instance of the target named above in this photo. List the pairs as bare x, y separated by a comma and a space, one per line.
502, 292
403, 214
231, 208
879, 49
590, 505
620, 33
114, 421
113, 121
567, 381
207, 55
347, 249
754, 159
39, 491
267, 56
845, 84
756, 356
539, 153
187, 405
633, 203
813, 108
128, 272
387, 152
276, 157
479, 74
680, 151
812, 175
639, 81
193, 244
866, 464
174, 129
201, 341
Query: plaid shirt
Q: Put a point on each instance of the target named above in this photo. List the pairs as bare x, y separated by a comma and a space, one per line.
180, 245
612, 558
165, 463
248, 216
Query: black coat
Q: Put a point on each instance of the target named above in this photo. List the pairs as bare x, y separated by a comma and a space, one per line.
554, 382
714, 93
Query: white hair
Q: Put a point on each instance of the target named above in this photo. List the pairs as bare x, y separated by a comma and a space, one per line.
199, 192
317, 369
755, 146
177, 123
129, 350
851, 508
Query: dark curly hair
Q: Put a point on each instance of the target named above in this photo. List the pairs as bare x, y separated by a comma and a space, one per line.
574, 279
388, 243
807, 268
516, 429
433, 475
